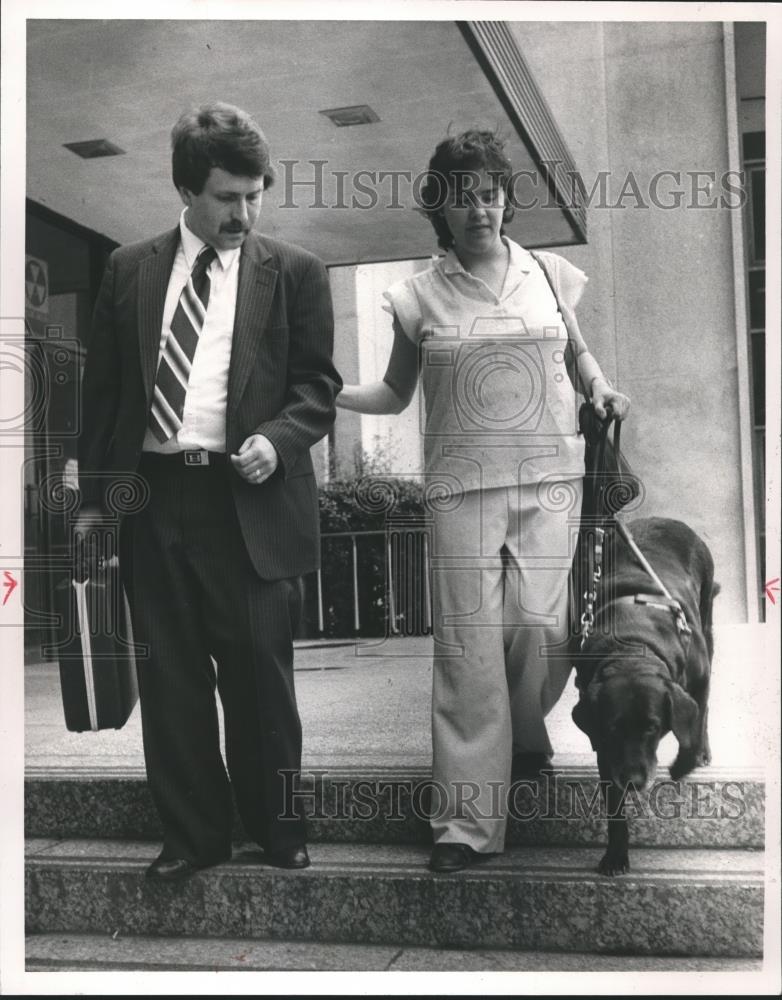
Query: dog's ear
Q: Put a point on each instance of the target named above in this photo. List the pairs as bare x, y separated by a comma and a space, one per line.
584, 713
684, 717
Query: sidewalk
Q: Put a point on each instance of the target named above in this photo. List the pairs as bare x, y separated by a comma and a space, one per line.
366, 705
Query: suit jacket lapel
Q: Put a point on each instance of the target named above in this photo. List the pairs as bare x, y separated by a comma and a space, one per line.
257, 282
154, 274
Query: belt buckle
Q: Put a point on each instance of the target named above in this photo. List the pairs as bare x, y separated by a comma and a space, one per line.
196, 457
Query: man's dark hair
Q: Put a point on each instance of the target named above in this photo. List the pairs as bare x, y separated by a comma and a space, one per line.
454, 159
218, 135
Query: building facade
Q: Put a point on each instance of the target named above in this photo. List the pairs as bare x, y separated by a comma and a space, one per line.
660, 119
675, 256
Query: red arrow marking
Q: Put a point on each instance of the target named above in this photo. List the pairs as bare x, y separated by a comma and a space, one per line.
770, 587
10, 584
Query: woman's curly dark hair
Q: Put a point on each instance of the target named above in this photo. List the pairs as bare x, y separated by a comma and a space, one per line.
470, 151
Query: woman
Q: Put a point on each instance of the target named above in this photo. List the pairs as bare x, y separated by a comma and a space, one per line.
492, 343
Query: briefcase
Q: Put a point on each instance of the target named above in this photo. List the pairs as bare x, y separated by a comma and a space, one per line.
97, 662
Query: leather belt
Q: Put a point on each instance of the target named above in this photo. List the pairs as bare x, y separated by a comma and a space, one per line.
192, 458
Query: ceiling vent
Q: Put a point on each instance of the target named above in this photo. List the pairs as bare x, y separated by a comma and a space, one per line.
93, 148
356, 114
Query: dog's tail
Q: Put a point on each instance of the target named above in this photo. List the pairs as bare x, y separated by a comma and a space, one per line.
709, 591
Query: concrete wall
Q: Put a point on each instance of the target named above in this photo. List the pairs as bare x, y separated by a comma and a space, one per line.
659, 310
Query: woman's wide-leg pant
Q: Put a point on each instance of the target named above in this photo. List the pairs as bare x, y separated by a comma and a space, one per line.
500, 565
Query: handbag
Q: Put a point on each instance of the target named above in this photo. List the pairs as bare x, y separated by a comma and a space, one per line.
609, 482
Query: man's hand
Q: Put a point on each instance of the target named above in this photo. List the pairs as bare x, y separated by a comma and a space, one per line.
256, 460
605, 399
91, 544
89, 519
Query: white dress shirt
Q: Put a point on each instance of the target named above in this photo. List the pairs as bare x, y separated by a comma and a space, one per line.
203, 420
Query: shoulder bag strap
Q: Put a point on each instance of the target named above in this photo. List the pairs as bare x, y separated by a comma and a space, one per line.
571, 346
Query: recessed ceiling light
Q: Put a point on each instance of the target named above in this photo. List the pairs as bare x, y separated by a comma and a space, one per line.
92, 148
356, 114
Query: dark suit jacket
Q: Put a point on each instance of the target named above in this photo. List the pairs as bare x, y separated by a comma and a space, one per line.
281, 383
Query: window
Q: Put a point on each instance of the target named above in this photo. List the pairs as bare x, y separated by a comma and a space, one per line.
754, 164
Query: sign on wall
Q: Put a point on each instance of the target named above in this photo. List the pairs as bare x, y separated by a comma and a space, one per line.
36, 285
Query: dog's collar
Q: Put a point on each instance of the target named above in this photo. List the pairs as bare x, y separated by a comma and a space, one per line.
658, 601
590, 665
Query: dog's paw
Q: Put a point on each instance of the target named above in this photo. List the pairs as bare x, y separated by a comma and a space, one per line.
614, 864
684, 763
704, 758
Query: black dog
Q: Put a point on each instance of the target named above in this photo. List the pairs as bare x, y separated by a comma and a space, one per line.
645, 670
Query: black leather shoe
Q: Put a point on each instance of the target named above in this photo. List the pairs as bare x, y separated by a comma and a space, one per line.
454, 857
171, 869
288, 857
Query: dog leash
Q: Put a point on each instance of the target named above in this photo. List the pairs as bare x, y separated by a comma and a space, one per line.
672, 603
665, 601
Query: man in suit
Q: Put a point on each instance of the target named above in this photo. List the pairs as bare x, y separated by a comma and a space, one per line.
209, 377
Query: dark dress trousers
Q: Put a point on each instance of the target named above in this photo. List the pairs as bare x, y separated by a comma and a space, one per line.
210, 562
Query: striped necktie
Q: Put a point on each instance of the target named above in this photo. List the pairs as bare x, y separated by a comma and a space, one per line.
173, 373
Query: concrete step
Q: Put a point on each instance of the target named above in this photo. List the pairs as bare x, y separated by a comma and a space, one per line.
104, 953
675, 902
713, 808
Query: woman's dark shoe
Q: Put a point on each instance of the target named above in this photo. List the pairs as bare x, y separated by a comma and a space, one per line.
171, 869
288, 857
529, 764
453, 857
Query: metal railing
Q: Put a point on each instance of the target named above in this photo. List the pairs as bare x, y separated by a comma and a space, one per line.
406, 572
398, 571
